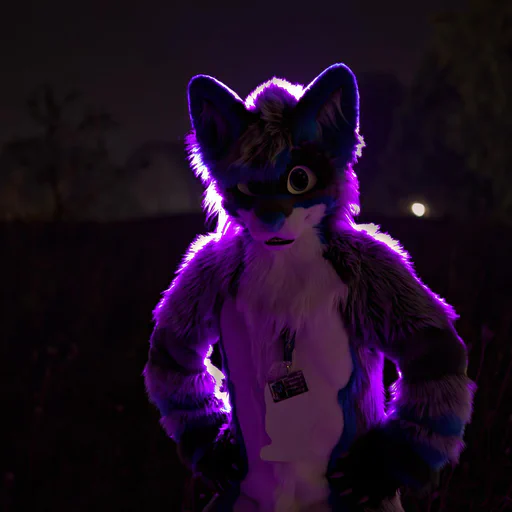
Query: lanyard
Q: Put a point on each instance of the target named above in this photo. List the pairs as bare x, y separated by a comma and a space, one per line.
289, 345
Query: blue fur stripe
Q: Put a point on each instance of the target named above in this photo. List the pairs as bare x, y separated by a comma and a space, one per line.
435, 458
187, 404
346, 401
177, 423
329, 202
449, 425
234, 418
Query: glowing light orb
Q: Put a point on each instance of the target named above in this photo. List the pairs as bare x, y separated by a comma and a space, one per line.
418, 209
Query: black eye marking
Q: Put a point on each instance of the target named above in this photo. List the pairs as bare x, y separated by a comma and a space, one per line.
309, 169
257, 188
244, 188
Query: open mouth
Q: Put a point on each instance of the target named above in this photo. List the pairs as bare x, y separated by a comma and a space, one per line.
278, 241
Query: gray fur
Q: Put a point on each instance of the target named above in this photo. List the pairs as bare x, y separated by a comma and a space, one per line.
387, 302
450, 446
369, 391
162, 384
434, 399
327, 115
264, 141
174, 423
208, 271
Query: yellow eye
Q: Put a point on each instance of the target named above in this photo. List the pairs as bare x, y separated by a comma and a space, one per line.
300, 180
244, 188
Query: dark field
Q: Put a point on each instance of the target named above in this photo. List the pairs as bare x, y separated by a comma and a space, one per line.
78, 433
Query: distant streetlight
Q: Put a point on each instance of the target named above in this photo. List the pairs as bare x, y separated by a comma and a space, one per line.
418, 209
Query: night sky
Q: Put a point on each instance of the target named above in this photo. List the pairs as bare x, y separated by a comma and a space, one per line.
135, 58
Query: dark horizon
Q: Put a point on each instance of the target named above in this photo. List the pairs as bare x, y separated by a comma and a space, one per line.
136, 60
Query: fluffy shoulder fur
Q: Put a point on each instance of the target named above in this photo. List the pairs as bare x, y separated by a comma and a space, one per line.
386, 301
208, 272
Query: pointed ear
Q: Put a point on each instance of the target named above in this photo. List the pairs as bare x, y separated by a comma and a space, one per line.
218, 116
328, 110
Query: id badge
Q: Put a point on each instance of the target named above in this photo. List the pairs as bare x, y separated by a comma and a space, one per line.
287, 418
291, 385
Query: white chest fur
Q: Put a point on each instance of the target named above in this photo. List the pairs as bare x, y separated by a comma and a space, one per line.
298, 289
289, 285
301, 290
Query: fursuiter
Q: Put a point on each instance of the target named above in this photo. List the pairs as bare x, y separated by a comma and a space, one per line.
304, 305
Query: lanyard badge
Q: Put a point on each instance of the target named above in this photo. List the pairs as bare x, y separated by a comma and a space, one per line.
294, 382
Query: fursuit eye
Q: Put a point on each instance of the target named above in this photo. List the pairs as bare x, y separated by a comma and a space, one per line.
244, 188
300, 180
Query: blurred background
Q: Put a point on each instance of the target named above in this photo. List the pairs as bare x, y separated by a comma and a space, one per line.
97, 205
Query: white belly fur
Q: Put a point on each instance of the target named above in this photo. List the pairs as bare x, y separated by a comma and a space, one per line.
293, 479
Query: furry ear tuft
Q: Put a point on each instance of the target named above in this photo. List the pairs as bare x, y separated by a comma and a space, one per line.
328, 111
218, 116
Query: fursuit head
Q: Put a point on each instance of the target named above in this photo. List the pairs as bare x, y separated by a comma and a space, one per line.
279, 164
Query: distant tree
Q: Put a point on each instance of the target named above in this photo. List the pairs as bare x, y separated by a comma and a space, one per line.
451, 147
61, 172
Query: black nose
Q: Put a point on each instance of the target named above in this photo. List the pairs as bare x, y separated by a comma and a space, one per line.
266, 207
273, 220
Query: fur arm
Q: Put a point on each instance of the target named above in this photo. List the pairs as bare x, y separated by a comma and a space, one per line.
176, 377
179, 384
390, 310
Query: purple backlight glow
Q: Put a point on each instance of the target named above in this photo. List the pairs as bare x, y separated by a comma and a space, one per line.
212, 200
296, 90
219, 378
374, 231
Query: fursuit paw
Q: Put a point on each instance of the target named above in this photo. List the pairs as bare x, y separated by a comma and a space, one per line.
376, 467
361, 485
219, 463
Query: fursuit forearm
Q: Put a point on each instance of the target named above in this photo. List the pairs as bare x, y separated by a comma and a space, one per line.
176, 377
179, 384
432, 400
